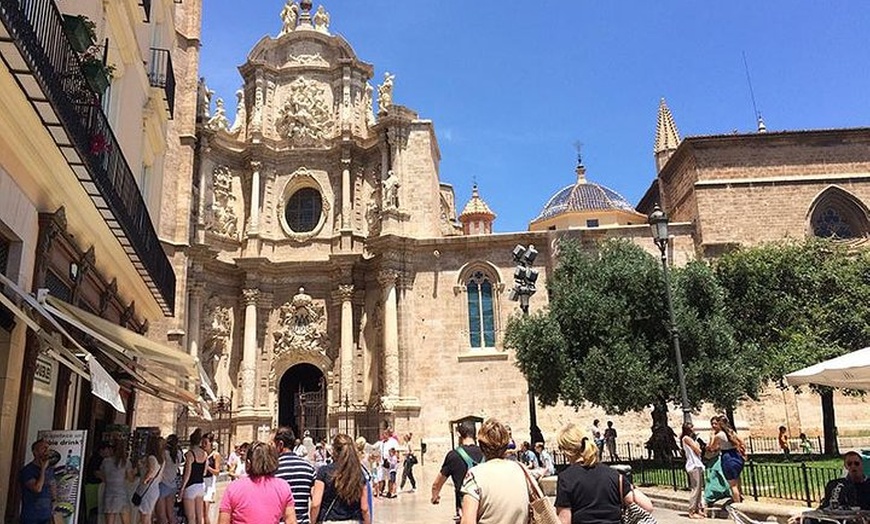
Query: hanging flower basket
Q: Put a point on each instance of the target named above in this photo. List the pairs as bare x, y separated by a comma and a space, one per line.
99, 144
80, 31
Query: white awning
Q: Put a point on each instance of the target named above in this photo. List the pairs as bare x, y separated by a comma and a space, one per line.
83, 363
154, 367
851, 371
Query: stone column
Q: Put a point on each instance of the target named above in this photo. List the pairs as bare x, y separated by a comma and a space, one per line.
194, 318
387, 280
346, 210
254, 219
344, 293
249, 350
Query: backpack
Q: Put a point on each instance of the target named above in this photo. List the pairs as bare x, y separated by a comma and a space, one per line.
469, 462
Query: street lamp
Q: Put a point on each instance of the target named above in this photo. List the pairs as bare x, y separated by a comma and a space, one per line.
346, 414
524, 287
658, 221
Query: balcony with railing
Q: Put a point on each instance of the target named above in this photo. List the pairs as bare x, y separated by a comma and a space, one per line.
162, 76
50, 73
146, 6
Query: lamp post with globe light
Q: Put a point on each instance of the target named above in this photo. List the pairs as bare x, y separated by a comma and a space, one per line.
658, 221
524, 287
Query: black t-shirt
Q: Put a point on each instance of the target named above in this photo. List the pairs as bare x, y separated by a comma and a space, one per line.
341, 509
592, 494
454, 467
847, 493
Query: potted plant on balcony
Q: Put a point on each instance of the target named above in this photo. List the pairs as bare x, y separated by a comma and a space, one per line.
97, 73
81, 31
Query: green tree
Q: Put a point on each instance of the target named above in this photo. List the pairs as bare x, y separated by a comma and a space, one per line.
798, 303
605, 338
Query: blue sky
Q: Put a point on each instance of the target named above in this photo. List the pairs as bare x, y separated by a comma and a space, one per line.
511, 86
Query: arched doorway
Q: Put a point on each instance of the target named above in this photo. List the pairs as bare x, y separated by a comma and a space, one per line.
302, 400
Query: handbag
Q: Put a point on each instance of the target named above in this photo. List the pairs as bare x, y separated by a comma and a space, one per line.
541, 509
136, 499
632, 513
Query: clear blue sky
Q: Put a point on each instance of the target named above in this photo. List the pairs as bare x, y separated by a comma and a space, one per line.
511, 86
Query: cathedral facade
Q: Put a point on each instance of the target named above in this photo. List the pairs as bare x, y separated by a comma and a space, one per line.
332, 283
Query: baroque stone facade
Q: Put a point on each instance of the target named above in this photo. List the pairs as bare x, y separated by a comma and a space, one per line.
346, 291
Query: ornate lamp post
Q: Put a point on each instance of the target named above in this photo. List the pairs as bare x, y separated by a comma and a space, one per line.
658, 221
524, 279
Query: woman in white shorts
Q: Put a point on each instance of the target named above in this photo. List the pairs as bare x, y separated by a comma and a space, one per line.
192, 482
212, 470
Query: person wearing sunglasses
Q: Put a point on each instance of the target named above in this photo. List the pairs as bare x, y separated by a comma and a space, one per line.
851, 491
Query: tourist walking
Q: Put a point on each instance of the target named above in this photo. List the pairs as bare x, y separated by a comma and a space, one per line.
610, 442
210, 476
192, 482
37, 486
361, 445
456, 463
296, 471
597, 437
782, 439
151, 470
168, 487
588, 491
695, 469
496, 491
259, 497
116, 471
339, 493
408, 464
732, 450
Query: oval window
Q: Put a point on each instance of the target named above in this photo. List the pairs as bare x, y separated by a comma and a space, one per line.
303, 210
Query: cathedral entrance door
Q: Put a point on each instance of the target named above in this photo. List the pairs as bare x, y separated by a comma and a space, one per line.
302, 401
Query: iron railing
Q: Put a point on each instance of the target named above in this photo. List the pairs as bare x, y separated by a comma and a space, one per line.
146, 6
161, 75
771, 445
35, 26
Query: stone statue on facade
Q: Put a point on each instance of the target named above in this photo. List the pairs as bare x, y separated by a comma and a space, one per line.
217, 348
321, 20
305, 118
203, 100
241, 113
289, 17
301, 326
256, 124
385, 92
368, 104
391, 191
225, 222
219, 121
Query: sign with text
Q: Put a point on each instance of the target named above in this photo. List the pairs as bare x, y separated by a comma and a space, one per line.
67, 448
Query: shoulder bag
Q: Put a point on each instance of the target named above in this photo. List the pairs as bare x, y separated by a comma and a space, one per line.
541, 509
136, 499
632, 513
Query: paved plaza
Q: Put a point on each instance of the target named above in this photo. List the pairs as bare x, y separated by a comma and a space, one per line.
415, 508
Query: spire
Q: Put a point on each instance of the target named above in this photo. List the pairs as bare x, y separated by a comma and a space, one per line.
761, 127
476, 217
667, 136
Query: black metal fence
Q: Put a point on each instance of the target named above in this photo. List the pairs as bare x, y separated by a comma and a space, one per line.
162, 75
771, 445
36, 28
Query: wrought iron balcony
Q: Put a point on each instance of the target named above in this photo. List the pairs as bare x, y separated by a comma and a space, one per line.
161, 75
50, 74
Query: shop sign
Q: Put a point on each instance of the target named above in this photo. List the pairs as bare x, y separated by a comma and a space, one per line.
44, 368
66, 450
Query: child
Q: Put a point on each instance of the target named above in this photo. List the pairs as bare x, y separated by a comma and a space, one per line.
394, 467
783, 442
806, 447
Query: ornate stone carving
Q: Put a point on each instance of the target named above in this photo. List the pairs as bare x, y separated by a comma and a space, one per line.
247, 380
305, 118
307, 60
321, 20
385, 92
224, 219
387, 277
241, 113
289, 17
391, 191
217, 349
250, 296
256, 124
203, 100
368, 105
219, 121
301, 326
344, 292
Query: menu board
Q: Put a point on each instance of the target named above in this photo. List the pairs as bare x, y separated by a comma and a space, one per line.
66, 449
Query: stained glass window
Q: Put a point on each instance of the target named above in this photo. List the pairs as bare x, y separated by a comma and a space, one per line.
481, 311
830, 223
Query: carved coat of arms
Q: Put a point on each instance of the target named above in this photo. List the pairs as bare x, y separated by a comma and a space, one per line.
306, 117
301, 326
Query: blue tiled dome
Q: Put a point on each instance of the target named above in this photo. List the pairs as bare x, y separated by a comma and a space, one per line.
583, 196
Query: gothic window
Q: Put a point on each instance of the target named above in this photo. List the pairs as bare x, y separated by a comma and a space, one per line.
481, 311
303, 210
837, 214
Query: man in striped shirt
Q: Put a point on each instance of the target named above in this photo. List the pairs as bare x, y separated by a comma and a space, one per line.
297, 471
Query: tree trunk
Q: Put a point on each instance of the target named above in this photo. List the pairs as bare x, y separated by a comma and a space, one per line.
829, 423
663, 442
729, 414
